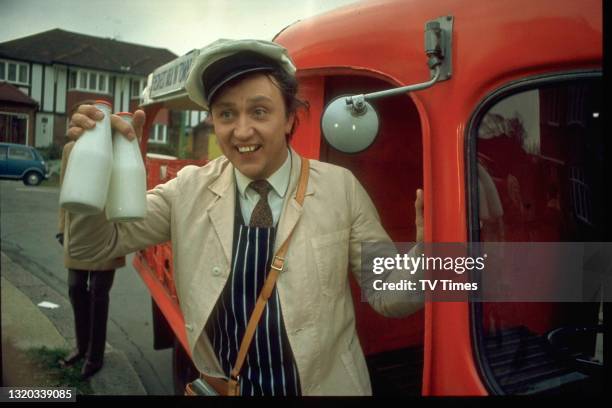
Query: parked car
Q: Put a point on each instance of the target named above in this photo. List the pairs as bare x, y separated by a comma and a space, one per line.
19, 162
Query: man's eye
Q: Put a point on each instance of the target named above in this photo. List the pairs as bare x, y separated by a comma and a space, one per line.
260, 112
225, 114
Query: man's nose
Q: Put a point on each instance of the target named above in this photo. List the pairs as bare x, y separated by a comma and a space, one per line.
244, 128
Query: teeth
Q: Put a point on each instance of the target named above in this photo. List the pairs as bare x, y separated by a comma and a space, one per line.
245, 149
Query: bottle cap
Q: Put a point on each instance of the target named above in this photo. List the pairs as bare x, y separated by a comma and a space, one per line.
103, 102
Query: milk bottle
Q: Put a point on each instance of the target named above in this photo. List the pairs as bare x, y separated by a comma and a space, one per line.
88, 170
127, 191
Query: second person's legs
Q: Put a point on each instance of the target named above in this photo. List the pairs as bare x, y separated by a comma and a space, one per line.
100, 285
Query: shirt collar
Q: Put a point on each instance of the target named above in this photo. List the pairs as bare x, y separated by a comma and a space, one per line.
279, 180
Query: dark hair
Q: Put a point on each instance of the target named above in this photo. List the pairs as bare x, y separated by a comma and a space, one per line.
286, 83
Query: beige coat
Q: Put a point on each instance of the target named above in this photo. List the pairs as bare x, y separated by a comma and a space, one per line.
64, 217
196, 211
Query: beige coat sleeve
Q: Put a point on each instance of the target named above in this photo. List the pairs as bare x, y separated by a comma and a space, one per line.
92, 238
366, 228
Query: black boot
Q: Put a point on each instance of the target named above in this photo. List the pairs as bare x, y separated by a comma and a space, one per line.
101, 282
79, 298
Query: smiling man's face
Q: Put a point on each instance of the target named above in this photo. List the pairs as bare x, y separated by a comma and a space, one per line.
250, 123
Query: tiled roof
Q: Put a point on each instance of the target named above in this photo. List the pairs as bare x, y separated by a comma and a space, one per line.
64, 47
10, 93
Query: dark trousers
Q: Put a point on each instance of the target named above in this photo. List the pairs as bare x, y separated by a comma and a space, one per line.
89, 296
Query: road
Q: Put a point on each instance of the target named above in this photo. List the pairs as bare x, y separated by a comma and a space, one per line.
28, 226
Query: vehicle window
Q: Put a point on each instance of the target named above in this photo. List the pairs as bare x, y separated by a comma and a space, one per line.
20, 153
3, 150
540, 165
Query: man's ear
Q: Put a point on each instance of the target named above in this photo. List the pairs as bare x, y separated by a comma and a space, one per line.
289, 123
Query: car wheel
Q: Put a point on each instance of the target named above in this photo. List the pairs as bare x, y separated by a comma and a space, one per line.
32, 179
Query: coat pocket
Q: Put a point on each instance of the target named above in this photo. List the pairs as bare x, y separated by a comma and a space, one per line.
356, 368
331, 257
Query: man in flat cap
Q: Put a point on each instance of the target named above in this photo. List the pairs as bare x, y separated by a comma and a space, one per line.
227, 220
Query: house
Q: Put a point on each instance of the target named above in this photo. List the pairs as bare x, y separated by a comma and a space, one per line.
56, 69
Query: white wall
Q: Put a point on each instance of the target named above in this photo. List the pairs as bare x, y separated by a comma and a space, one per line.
116, 92
60, 96
125, 103
36, 92
122, 103
49, 87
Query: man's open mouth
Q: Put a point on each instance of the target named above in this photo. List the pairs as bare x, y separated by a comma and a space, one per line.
247, 149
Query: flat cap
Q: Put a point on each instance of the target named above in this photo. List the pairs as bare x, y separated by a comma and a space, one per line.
224, 60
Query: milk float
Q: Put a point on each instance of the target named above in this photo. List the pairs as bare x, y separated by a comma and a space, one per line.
127, 190
88, 170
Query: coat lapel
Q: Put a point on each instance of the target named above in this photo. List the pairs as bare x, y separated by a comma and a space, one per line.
292, 211
221, 211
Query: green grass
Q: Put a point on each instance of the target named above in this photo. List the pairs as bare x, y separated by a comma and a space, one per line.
52, 181
45, 364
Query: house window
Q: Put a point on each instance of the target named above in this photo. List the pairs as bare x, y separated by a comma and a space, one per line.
159, 134
14, 72
72, 81
89, 81
93, 81
137, 88
83, 81
23, 74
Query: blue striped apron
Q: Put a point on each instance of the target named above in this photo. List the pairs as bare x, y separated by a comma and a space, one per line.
269, 368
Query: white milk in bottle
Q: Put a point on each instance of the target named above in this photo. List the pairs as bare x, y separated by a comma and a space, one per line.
88, 170
127, 191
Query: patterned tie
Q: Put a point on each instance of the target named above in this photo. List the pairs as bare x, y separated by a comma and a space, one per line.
262, 213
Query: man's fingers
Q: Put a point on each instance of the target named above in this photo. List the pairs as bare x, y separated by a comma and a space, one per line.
418, 206
74, 133
83, 118
418, 217
83, 121
90, 111
138, 121
122, 127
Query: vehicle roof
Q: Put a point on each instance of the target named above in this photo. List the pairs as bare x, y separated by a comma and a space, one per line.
16, 144
501, 36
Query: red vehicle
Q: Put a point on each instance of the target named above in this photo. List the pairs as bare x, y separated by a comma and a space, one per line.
508, 146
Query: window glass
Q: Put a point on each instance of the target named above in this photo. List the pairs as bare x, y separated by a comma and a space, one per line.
72, 81
83, 80
135, 88
158, 134
540, 179
23, 73
3, 150
20, 153
93, 81
2, 70
153, 134
102, 83
12, 72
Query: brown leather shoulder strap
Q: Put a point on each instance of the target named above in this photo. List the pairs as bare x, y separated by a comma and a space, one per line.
275, 268
303, 182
